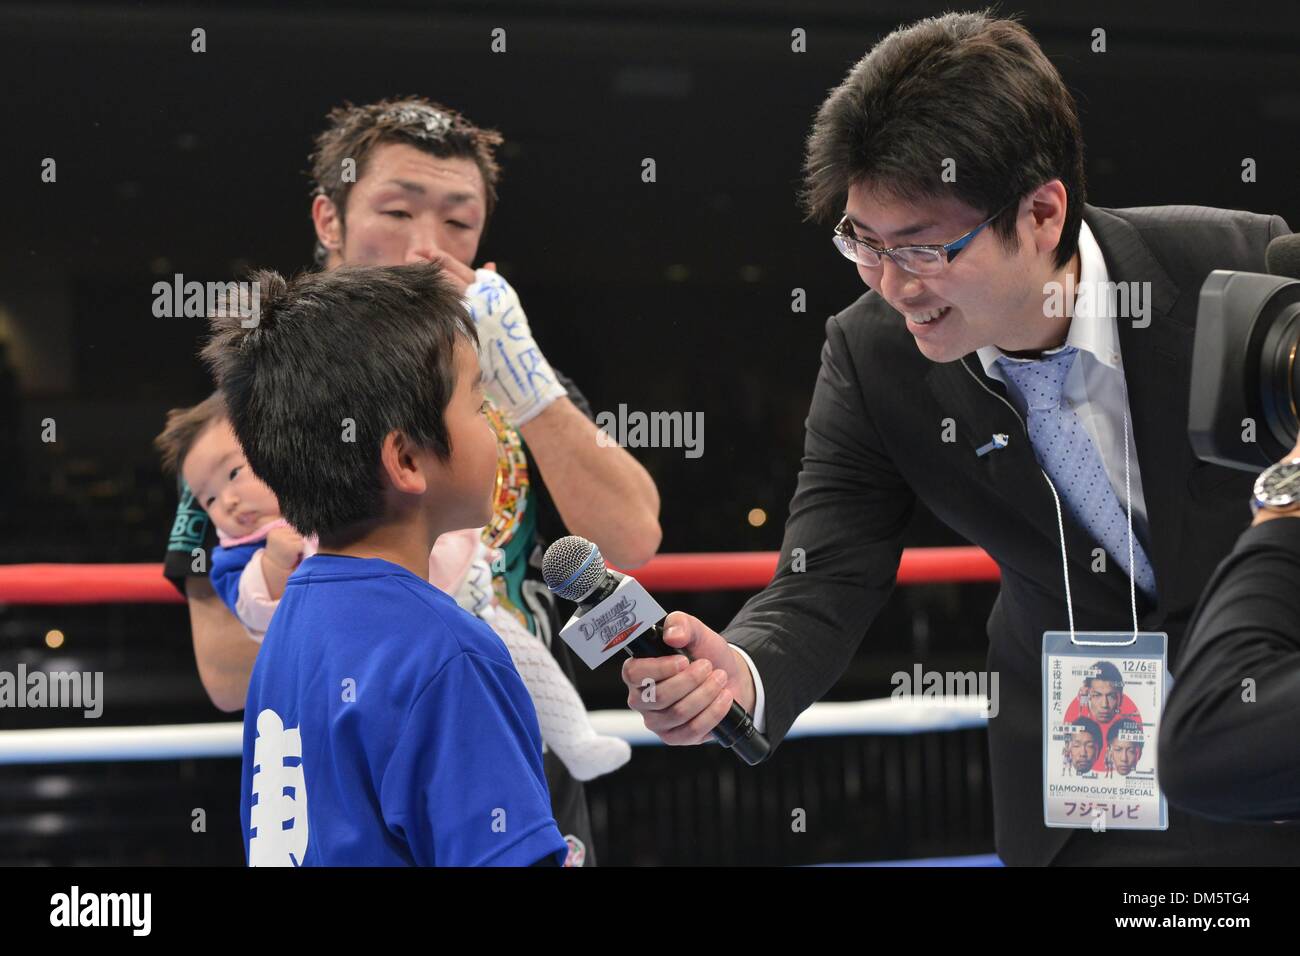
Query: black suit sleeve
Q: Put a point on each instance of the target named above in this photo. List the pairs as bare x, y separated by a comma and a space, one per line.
846, 519
1223, 754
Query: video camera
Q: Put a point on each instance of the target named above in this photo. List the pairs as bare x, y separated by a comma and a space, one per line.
1245, 387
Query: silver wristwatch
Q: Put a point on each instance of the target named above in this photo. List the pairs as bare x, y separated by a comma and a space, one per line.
1277, 488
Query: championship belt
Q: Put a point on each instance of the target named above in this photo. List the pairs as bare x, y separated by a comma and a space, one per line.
510, 497
509, 504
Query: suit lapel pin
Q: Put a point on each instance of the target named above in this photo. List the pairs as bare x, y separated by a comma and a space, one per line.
999, 441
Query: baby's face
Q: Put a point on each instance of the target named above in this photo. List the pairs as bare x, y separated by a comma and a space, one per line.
237, 501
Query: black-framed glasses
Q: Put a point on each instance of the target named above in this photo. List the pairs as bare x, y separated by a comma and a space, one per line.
924, 260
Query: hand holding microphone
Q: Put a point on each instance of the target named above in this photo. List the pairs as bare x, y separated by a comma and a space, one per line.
694, 685
683, 700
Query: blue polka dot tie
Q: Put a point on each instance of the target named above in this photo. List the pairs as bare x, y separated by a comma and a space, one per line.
1071, 460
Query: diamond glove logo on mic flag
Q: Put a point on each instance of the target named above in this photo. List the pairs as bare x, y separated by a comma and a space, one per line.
607, 628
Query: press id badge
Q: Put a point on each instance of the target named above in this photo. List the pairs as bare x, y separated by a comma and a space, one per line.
1103, 696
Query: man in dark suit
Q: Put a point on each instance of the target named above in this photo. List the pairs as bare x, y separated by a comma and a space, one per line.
1228, 747
962, 338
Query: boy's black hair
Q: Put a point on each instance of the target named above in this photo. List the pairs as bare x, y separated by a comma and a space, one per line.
333, 363
967, 87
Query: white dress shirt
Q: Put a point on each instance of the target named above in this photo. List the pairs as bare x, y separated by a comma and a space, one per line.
1094, 388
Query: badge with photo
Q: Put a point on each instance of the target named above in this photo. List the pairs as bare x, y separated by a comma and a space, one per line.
1103, 694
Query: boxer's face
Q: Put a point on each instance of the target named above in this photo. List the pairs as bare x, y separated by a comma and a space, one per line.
1124, 755
1103, 699
1083, 752
407, 206
995, 297
237, 501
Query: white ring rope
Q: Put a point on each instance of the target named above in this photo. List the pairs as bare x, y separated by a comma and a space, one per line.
184, 741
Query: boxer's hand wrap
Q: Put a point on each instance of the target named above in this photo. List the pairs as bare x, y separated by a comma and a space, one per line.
517, 376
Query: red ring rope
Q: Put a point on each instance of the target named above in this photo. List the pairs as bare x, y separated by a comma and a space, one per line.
144, 583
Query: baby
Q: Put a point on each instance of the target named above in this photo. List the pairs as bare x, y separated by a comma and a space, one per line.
259, 551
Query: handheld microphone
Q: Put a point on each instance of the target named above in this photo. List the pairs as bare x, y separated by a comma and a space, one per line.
620, 615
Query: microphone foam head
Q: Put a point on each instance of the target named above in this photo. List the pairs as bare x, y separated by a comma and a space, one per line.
1282, 257
573, 567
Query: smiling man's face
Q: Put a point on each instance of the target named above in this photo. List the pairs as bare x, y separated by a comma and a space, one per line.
991, 296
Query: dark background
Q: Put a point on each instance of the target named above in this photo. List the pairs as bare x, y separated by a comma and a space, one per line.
666, 296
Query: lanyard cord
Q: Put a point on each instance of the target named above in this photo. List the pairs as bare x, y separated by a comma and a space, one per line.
1132, 580
1060, 521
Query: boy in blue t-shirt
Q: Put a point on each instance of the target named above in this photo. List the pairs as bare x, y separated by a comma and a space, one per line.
384, 725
